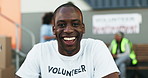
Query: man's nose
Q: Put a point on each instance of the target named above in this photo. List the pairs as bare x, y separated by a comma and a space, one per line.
68, 29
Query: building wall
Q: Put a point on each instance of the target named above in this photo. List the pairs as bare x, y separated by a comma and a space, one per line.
10, 15
33, 22
36, 6
140, 38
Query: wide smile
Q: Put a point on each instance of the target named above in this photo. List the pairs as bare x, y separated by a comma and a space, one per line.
69, 40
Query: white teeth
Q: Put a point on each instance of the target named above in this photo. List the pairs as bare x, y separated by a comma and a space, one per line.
71, 38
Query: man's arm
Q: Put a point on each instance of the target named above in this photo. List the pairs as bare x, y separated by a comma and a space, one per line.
126, 53
17, 76
49, 37
112, 75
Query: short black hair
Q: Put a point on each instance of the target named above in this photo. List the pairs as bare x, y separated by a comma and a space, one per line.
69, 4
47, 18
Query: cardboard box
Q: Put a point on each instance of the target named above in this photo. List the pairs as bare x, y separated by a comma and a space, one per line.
8, 72
5, 52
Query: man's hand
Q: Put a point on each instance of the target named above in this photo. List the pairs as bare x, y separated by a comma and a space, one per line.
114, 56
112, 75
17, 76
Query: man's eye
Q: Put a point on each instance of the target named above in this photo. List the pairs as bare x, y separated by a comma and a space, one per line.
61, 25
75, 24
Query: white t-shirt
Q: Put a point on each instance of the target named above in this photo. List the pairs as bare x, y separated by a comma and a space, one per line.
92, 61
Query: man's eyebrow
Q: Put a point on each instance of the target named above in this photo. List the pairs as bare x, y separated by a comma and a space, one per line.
76, 20
72, 20
60, 21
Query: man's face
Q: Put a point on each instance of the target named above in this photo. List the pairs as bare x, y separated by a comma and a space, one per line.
118, 37
69, 29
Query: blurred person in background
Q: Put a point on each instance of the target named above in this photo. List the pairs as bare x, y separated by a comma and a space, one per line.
123, 53
46, 33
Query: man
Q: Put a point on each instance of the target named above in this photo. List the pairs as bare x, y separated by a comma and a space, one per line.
123, 53
69, 56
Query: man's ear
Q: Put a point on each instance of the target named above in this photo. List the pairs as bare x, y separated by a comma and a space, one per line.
83, 27
53, 29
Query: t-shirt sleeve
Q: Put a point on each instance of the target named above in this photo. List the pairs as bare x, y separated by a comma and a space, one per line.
103, 61
30, 68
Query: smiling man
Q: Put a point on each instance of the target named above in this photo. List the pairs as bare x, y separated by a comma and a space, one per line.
69, 56
69, 29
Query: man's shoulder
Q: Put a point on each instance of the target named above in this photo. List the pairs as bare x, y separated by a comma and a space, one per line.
47, 43
91, 40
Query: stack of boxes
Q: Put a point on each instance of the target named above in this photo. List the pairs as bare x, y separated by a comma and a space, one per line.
7, 69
